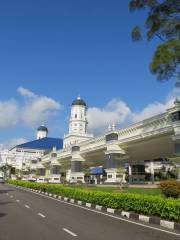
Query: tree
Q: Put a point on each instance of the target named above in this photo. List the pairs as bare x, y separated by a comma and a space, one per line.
163, 22
6, 169
176, 161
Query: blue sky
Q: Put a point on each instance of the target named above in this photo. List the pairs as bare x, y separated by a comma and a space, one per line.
59, 49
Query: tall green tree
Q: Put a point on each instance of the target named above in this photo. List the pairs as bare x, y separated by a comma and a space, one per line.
162, 22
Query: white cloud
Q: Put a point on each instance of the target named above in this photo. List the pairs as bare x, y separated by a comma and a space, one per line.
120, 113
115, 111
8, 113
149, 111
31, 111
156, 107
26, 92
38, 110
12, 143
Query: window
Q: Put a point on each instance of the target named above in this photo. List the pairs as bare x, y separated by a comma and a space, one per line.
111, 137
55, 170
119, 176
175, 116
42, 171
177, 147
75, 115
56, 179
109, 176
33, 161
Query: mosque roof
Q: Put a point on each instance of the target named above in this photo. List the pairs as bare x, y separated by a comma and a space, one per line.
46, 143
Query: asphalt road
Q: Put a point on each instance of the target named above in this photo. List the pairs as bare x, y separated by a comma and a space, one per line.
28, 216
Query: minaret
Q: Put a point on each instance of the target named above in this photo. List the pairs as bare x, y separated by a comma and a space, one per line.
42, 132
77, 123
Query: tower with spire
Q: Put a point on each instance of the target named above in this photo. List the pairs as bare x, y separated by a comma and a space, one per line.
77, 123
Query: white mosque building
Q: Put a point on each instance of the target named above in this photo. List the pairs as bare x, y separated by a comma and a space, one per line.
140, 145
25, 158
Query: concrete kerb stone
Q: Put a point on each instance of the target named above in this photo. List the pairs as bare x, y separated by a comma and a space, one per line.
54, 196
144, 218
154, 220
50, 194
111, 210
99, 208
80, 203
125, 214
177, 226
66, 199
59, 197
72, 200
167, 224
134, 215
90, 205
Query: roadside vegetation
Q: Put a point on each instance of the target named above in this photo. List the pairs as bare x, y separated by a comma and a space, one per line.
167, 208
115, 189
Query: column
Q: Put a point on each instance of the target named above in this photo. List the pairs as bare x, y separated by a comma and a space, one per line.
130, 173
152, 171
111, 167
113, 155
76, 166
76, 173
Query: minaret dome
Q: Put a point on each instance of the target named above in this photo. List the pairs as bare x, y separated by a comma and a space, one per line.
42, 132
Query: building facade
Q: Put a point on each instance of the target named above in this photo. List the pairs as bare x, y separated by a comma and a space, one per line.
137, 146
25, 158
152, 138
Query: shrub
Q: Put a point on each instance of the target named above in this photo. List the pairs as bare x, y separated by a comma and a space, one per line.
170, 188
166, 208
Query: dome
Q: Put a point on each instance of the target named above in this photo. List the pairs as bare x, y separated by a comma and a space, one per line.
42, 128
79, 102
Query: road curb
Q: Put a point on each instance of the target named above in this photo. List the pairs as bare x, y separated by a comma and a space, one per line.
130, 215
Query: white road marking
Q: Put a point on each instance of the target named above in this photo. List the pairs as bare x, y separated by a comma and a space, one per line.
27, 206
7, 193
11, 196
41, 215
105, 214
68, 231
17, 200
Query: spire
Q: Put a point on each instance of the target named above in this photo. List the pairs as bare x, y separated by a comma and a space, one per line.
176, 101
113, 126
109, 127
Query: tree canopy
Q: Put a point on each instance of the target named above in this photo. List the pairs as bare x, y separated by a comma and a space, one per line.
163, 22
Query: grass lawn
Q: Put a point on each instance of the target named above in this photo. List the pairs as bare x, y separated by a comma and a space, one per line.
147, 191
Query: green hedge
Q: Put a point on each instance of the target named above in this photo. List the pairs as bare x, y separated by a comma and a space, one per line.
166, 208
